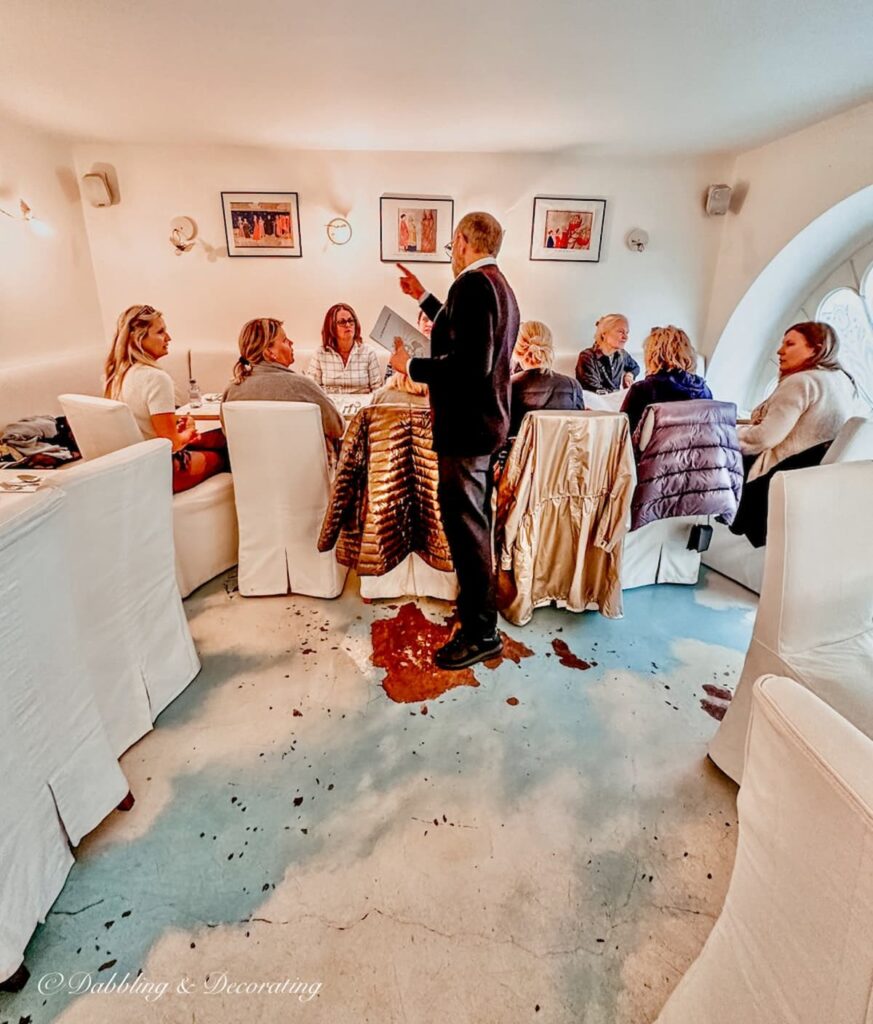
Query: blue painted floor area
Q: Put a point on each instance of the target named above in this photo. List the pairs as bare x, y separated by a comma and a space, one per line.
303, 846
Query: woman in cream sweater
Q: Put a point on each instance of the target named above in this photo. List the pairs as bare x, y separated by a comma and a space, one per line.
794, 427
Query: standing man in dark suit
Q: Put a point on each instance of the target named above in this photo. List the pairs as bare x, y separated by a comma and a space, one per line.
468, 375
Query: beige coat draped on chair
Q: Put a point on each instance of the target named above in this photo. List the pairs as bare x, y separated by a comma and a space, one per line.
563, 507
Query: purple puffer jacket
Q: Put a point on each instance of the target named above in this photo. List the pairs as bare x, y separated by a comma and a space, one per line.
691, 464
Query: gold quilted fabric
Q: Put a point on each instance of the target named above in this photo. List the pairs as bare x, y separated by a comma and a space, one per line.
383, 502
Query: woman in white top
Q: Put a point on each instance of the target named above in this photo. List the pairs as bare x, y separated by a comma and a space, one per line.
343, 365
794, 427
132, 376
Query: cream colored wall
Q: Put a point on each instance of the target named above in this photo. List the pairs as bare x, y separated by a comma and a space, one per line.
808, 205
207, 296
48, 293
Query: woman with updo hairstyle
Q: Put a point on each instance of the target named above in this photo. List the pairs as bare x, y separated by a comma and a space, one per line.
670, 361
400, 389
263, 374
606, 366
794, 427
132, 376
344, 364
536, 385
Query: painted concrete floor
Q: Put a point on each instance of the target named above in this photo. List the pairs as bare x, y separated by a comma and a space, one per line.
548, 845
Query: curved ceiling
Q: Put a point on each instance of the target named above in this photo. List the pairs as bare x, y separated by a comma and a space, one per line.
496, 75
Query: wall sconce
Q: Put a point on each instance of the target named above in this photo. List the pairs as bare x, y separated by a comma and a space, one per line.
183, 234
339, 231
25, 214
637, 240
95, 187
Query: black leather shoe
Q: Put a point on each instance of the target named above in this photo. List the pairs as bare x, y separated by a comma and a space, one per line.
461, 652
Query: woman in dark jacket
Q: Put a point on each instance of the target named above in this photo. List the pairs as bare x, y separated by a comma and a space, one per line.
537, 386
669, 358
607, 366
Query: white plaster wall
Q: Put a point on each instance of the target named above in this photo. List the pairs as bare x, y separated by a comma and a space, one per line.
48, 294
207, 296
808, 205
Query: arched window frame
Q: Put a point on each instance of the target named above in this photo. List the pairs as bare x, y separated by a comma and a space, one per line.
856, 352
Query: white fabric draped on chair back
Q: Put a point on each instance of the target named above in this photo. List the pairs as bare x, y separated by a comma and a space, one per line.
99, 425
815, 616
794, 938
281, 483
139, 651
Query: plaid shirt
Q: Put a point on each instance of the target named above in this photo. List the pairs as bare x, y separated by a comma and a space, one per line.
359, 375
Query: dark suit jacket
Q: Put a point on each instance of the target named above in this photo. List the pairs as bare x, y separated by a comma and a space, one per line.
468, 370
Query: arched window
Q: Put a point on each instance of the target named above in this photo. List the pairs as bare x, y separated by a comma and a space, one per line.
850, 313
844, 299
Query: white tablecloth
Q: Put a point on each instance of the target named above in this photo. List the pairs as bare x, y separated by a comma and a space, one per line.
59, 772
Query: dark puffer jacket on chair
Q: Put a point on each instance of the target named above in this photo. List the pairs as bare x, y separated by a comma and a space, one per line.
688, 462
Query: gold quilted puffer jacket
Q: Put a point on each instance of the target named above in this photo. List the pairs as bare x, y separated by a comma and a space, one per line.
383, 502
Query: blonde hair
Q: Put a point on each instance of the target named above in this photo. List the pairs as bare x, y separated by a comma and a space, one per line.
255, 336
482, 231
403, 382
669, 348
534, 348
130, 330
605, 324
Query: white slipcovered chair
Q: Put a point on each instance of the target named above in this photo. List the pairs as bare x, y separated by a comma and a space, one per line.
815, 615
734, 556
119, 540
282, 485
794, 940
412, 578
658, 552
204, 518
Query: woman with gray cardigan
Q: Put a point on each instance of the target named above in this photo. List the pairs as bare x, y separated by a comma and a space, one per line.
263, 373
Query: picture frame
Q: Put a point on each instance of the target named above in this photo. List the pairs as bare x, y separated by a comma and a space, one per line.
567, 229
262, 223
415, 229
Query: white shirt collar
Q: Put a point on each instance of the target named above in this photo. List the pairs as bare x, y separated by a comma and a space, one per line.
486, 261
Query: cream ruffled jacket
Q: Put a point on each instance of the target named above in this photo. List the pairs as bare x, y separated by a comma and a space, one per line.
806, 409
563, 507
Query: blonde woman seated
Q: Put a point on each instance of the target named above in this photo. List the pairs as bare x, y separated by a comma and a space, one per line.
537, 385
263, 373
606, 366
795, 426
343, 364
669, 357
400, 389
132, 376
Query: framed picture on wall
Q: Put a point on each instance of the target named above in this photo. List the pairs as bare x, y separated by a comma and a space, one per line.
565, 229
416, 229
261, 223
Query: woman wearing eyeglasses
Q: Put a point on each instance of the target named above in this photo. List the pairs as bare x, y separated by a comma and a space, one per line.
343, 365
132, 376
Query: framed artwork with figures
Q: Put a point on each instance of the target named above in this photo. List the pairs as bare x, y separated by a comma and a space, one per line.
565, 229
416, 229
261, 223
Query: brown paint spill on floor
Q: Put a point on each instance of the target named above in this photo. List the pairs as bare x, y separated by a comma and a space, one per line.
513, 650
568, 658
716, 711
719, 692
404, 646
